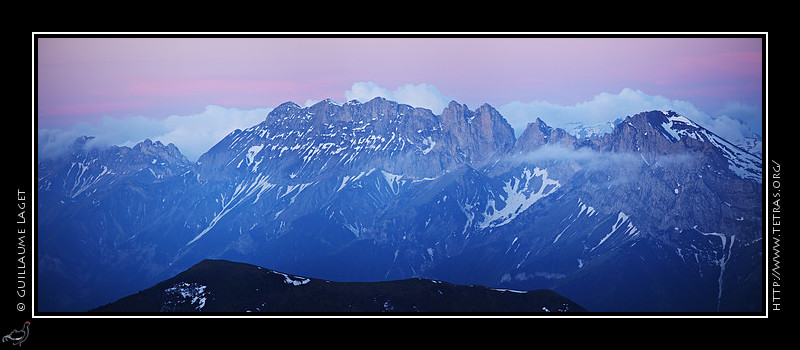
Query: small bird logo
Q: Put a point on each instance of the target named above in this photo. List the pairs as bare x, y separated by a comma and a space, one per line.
18, 335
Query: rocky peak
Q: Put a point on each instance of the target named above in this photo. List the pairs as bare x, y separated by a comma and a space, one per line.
149, 151
489, 122
327, 111
542, 126
147, 146
82, 140
640, 133
657, 133
81, 147
91, 167
482, 135
660, 132
287, 106
378, 112
538, 134
377, 133
283, 111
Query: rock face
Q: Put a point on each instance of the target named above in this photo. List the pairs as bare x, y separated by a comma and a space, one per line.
482, 136
538, 134
380, 133
657, 215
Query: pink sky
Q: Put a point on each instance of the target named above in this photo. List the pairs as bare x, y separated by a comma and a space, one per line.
83, 79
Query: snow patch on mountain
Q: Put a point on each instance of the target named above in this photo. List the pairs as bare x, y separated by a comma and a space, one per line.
429, 143
722, 259
585, 208
182, 293
519, 196
243, 190
293, 280
622, 219
393, 180
745, 165
251, 153
81, 183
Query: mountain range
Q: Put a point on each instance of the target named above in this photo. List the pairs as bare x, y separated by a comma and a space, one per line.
657, 215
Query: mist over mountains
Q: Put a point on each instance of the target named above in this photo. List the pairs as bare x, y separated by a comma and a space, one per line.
195, 133
658, 214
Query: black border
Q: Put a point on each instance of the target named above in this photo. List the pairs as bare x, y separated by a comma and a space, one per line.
47, 327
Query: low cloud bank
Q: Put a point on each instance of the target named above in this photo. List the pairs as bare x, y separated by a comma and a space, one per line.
734, 123
196, 133
607, 167
192, 134
582, 157
421, 95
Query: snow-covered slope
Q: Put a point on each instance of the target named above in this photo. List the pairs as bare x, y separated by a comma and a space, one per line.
676, 128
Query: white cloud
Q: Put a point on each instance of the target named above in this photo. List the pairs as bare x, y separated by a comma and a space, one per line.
603, 108
192, 134
310, 103
740, 120
53, 143
197, 133
734, 123
749, 116
421, 95
365, 91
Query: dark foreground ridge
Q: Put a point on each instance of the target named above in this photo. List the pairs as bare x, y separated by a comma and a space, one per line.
221, 286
